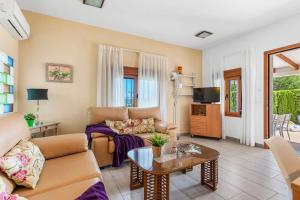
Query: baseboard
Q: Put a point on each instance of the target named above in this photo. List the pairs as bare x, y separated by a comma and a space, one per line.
259, 145
238, 141
232, 139
182, 134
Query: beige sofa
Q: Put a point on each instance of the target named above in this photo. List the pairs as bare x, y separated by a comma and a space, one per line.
104, 147
70, 168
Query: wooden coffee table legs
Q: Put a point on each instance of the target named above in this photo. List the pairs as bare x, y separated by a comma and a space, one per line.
209, 174
136, 177
158, 186
155, 186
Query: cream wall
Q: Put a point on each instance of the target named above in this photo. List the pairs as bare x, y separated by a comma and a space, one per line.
10, 46
60, 41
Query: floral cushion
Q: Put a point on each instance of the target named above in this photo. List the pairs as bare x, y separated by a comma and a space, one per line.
4, 194
23, 164
122, 127
143, 126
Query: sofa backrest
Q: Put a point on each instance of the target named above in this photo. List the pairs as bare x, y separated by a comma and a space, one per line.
144, 113
100, 114
13, 128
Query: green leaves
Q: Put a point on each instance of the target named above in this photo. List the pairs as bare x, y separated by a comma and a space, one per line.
287, 101
286, 82
286, 95
158, 140
29, 116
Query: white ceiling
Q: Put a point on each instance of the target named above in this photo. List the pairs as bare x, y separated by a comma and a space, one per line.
293, 55
173, 21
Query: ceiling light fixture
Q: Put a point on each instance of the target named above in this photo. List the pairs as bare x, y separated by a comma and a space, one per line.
95, 3
203, 34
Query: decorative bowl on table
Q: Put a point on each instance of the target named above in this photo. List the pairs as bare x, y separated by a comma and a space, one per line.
183, 147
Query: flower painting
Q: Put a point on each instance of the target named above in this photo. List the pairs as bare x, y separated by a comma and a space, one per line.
59, 73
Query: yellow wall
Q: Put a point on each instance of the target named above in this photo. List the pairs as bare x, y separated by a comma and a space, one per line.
60, 41
10, 46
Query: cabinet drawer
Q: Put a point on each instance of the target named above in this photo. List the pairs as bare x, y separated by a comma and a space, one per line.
199, 131
199, 118
199, 125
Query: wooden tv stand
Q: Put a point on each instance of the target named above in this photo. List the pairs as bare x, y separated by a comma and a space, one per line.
206, 120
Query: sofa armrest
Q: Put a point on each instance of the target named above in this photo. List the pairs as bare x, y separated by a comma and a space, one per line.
166, 128
62, 145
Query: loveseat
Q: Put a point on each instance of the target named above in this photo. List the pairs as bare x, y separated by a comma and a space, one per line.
104, 147
69, 170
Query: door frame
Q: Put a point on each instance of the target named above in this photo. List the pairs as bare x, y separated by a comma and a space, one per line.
267, 55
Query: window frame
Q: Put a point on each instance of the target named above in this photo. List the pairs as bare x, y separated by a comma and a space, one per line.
229, 75
132, 72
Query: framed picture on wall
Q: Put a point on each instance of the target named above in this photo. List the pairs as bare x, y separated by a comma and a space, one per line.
59, 73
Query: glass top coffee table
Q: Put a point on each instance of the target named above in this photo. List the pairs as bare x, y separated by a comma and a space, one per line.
154, 173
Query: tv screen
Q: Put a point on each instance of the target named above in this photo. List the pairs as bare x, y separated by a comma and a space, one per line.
206, 95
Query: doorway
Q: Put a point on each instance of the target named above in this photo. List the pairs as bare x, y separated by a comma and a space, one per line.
281, 99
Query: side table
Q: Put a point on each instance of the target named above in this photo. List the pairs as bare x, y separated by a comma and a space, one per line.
44, 128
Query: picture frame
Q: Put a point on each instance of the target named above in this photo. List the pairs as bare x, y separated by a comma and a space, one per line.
60, 73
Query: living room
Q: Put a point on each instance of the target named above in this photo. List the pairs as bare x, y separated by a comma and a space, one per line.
196, 83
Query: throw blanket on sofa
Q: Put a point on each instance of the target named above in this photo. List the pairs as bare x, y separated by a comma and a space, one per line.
95, 192
123, 142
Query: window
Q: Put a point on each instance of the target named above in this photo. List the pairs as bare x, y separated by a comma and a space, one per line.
130, 86
6, 84
233, 92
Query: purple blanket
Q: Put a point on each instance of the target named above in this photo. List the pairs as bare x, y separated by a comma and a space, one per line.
123, 143
95, 192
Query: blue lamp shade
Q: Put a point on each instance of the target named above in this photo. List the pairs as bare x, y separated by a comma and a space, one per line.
37, 94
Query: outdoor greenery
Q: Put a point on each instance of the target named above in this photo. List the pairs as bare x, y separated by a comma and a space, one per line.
233, 92
286, 82
158, 140
286, 96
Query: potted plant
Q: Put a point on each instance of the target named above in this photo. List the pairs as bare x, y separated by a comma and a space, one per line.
157, 142
30, 118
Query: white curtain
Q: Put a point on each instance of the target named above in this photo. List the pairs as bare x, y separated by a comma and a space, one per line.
110, 77
249, 96
153, 82
212, 72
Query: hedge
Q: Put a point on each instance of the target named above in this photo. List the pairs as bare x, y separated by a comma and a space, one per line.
287, 101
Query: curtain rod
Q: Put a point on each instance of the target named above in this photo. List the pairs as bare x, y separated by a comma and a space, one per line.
134, 50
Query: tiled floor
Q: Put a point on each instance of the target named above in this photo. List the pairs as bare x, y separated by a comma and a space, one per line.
245, 173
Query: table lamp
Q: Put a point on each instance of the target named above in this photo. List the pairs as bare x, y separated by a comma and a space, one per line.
37, 94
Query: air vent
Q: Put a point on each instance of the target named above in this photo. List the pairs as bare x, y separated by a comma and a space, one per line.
15, 28
95, 3
203, 34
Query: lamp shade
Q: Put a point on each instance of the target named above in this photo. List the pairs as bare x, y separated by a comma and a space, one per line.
37, 94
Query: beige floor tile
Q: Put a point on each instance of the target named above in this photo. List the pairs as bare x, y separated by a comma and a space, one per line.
245, 173
243, 196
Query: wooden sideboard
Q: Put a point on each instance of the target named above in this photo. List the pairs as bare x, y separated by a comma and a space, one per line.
206, 120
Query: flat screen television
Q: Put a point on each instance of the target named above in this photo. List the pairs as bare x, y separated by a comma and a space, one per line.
206, 95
